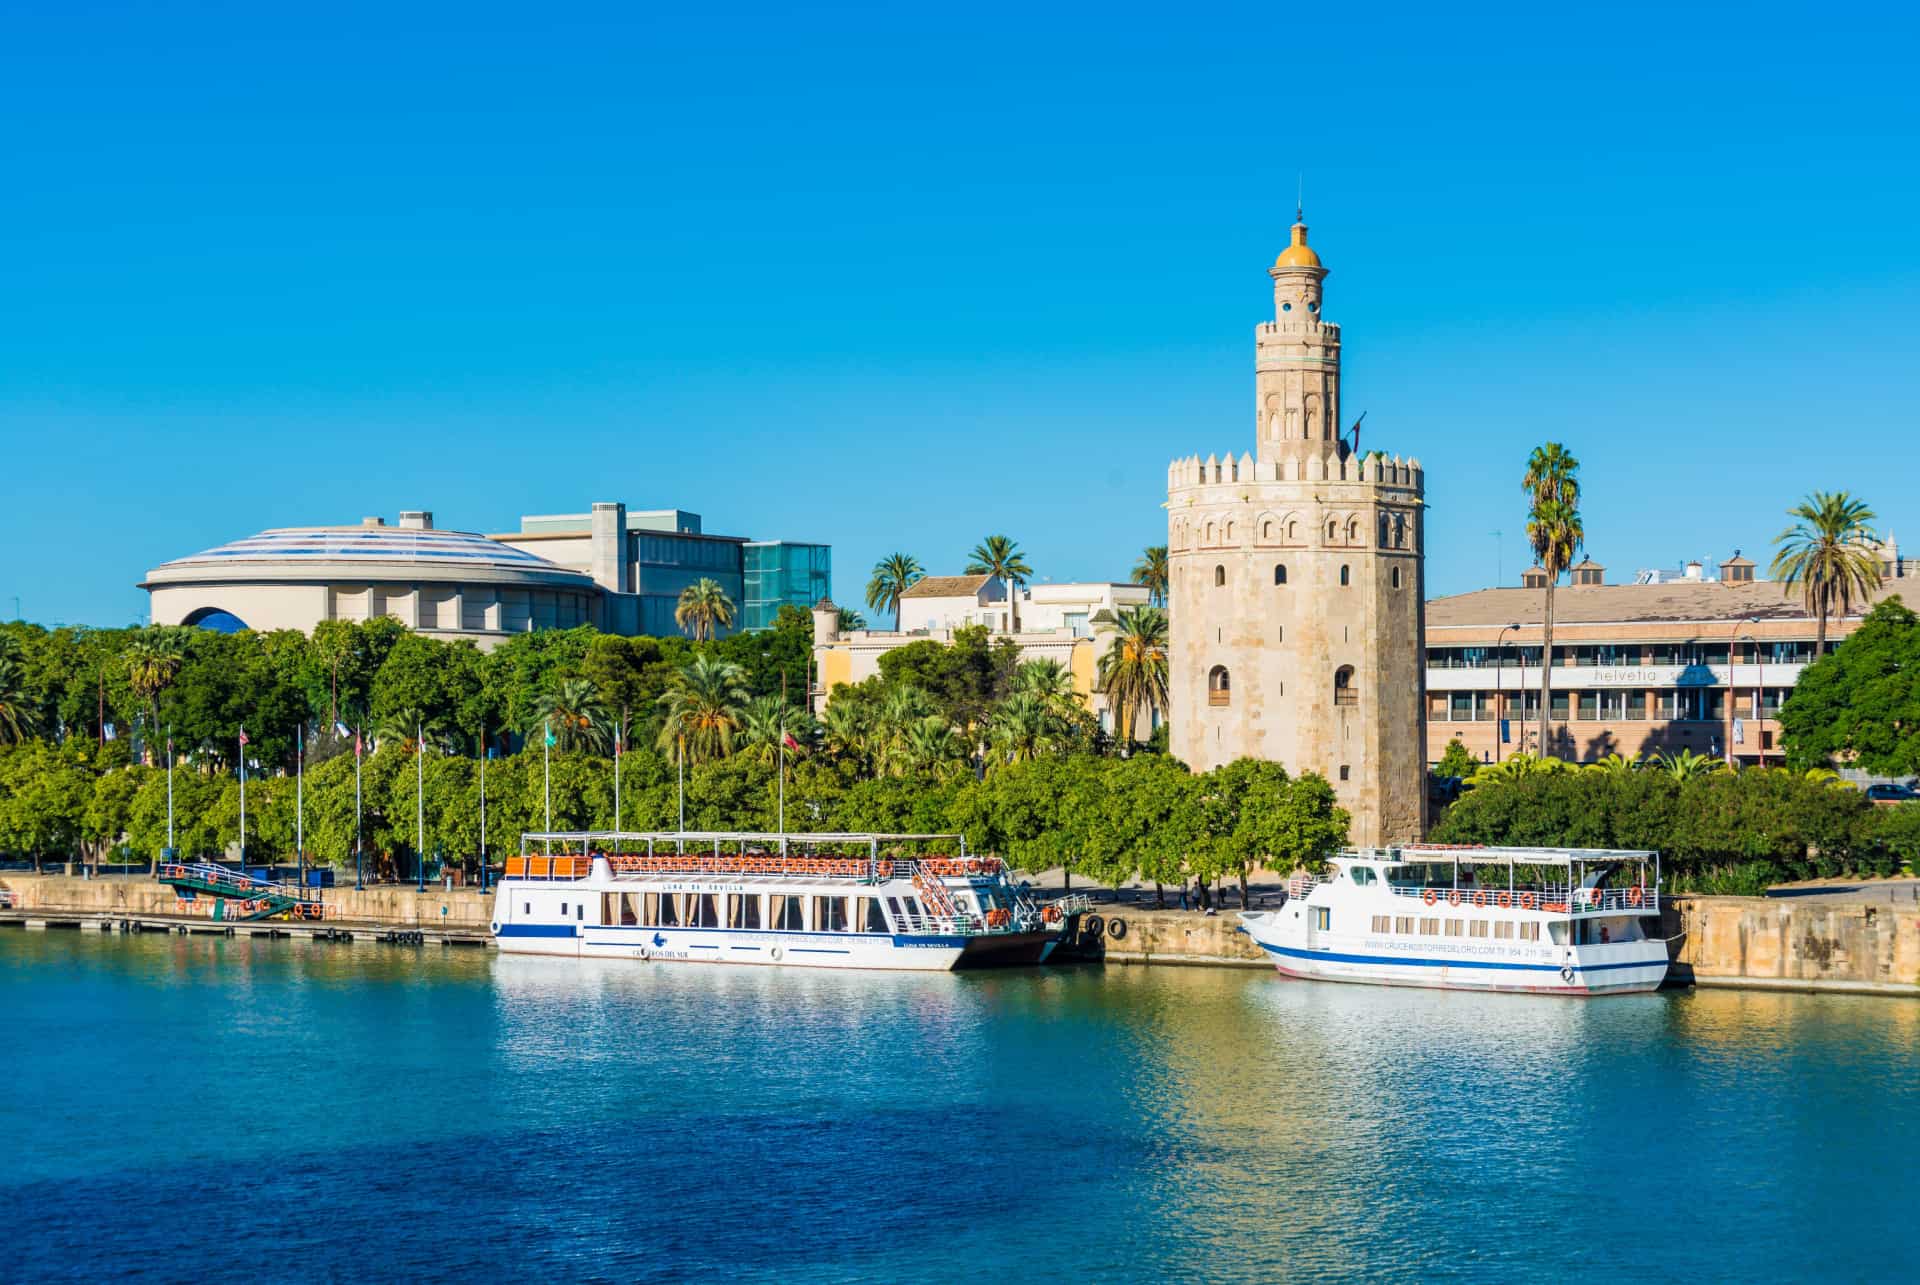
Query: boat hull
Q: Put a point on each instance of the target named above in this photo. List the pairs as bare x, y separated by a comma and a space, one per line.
1620, 969
1008, 950
896, 952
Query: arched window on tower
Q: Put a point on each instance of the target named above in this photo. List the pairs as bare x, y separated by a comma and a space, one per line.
1333, 530
1346, 576
1219, 686
1396, 577
1383, 530
1219, 576
1353, 530
1293, 533
1344, 692
1266, 531
1279, 573
1399, 531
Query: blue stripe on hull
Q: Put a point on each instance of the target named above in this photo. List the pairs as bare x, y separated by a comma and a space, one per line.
1291, 952
535, 930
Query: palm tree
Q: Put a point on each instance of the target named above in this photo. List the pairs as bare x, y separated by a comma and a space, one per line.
851, 620
892, 576
1023, 729
705, 706
1052, 682
997, 555
1552, 484
844, 728
765, 725
1151, 572
901, 709
932, 747
1829, 553
153, 662
1686, 765
1133, 671
704, 609
18, 717
406, 727
573, 710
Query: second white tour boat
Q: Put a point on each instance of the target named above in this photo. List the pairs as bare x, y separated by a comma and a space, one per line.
1562, 921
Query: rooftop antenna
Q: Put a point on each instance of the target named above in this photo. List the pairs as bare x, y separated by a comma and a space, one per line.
1300, 198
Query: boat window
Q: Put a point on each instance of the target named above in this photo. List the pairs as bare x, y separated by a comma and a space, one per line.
703, 912
913, 909
1558, 931
899, 917
529, 907
784, 914
1404, 924
1429, 927
1530, 932
1322, 918
563, 910
669, 910
1362, 875
876, 917
743, 910
580, 912
1479, 928
1503, 928
830, 914
1383, 923
1456, 928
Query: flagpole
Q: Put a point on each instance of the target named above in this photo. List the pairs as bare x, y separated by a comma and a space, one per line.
680, 757
358, 879
486, 752
420, 803
300, 802
169, 794
546, 772
243, 800
783, 761
619, 736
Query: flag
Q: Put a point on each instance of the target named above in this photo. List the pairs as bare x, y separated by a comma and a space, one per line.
341, 729
110, 732
787, 739
243, 736
1739, 731
549, 727
356, 744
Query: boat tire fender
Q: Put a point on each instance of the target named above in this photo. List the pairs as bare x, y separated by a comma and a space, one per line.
1091, 927
1117, 928
1566, 973
775, 954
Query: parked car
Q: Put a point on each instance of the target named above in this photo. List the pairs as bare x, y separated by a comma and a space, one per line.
1891, 794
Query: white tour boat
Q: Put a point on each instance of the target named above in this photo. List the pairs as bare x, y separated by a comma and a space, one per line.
812, 900
1560, 921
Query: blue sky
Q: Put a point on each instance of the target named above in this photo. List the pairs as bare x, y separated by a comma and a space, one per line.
896, 277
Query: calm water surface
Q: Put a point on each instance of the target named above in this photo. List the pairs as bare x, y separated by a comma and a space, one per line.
232, 1109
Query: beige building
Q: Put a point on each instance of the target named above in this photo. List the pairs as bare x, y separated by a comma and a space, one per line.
456, 584
1068, 623
1296, 583
1675, 661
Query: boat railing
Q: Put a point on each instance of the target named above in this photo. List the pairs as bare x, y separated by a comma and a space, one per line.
859, 869
1554, 898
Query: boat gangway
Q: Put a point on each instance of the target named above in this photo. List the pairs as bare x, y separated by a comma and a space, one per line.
239, 896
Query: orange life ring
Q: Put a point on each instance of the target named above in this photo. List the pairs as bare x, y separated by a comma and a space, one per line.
1480, 897
1429, 896
1453, 898
1526, 901
1635, 897
973, 867
1595, 898
1505, 899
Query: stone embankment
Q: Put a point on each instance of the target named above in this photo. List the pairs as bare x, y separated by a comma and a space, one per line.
1828, 944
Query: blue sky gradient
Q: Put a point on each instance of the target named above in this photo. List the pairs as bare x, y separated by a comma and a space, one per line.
896, 277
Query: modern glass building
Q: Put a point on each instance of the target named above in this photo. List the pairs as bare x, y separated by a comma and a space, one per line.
780, 573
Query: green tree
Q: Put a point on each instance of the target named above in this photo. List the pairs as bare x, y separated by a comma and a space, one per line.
850, 620
1860, 703
1554, 529
703, 610
1151, 573
1456, 761
1133, 670
576, 716
705, 706
154, 658
999, 555
1829, 554
19, 718
892, 576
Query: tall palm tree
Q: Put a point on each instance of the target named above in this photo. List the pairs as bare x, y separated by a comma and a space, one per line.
900, 710
703, 610
892, 576
407, 727
1023, 729
766, 724
1829, 553
153, 660
1552, 484
851, 620
18, 717
1052, 682
998, 555
576, 713
1133, 671
844, 728
932, 747
705, 705
1151, 572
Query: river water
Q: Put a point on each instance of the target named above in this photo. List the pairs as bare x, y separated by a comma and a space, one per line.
216, 1108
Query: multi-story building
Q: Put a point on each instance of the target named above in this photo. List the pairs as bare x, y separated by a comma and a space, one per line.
1068, 623
1296, 583
642, 559
1673, 661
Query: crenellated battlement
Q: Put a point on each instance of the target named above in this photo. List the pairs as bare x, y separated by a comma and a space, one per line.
1372, 467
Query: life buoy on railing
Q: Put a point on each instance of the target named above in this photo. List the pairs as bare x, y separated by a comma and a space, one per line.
1480, 897
1051, 914
1453, 898
1595, 897
1429, 896
1527, 901
1635, 897
1505, 899
973, 866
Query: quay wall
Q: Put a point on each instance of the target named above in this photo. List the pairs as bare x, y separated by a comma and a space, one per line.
1765, 943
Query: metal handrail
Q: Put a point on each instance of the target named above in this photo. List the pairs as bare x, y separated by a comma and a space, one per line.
1554, 898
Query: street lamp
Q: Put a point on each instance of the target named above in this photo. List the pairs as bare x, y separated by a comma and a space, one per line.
1759, 698
1499, 679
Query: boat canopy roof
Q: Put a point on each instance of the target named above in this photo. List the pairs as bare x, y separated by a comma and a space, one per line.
1467, 854
726, 836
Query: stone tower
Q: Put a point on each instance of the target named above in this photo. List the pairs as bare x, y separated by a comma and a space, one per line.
1296, 584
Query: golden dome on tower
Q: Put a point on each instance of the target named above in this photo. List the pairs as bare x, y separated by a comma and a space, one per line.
1299, 254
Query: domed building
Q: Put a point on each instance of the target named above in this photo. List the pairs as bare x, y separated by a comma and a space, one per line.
453, 584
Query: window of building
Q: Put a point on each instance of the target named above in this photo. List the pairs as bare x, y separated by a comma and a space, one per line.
1396, 577
1219, 686
1589, 706
1385, 528
1561, 706
1344, 692
1346, 577
1333, 529
1279, 573
1219, 576
1462, 707
1345, 771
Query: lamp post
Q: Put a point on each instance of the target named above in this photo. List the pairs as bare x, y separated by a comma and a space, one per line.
1759, 699
486, 752
1499, 688
359, 879
420, 804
